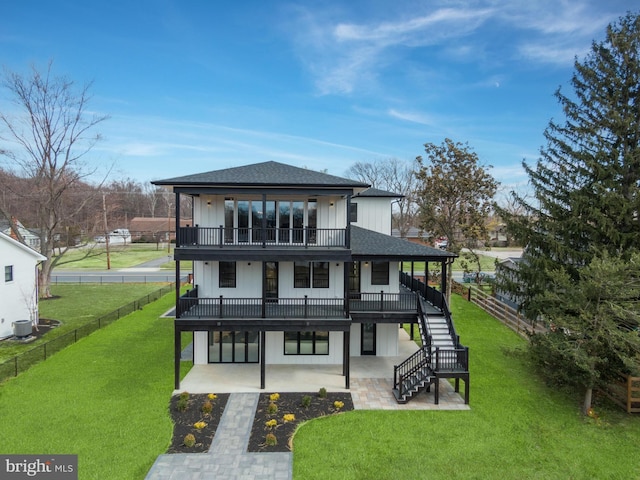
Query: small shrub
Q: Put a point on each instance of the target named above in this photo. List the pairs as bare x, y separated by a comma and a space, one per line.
189, 440
182, 404
184, 396
322, 393
274, 397
271, 440
288, 417
272, 409
306, 401
199, 425
207, 407
338, 404
271, 423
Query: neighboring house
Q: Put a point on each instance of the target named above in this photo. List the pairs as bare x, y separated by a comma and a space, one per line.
414, 235
19, 288
293, 266
12, 227
154, 229
505, 272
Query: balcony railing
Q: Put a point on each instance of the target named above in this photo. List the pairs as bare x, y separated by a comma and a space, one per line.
191, 306
281, 237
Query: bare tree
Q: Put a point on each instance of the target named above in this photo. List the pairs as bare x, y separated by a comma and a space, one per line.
395, 176
52, 130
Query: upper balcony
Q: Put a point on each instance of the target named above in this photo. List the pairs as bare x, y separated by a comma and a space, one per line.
225, 237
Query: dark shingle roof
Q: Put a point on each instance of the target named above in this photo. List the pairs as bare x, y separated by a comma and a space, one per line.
367, 243
266, 173
375, 192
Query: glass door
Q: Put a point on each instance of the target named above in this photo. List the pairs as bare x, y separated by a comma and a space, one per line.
368, 339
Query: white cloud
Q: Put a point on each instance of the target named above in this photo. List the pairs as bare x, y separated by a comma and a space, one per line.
420, 118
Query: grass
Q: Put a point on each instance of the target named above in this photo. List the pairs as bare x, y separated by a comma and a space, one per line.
105, 399
516, 428
487, 264
121, 256
77, 305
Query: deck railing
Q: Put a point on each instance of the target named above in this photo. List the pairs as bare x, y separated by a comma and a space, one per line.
383, 302
413, 369
445, 359
262, 237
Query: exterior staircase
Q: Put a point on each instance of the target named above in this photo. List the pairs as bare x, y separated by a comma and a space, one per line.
440, 356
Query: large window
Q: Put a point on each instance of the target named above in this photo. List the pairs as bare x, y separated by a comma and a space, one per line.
303, 272
227, 275
8, 273
379, 273
306, 343
320, 274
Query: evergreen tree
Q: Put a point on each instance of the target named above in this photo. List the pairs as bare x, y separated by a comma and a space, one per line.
586, 185
579, 271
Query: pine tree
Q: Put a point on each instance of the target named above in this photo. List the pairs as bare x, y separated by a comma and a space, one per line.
586, 185
580, 269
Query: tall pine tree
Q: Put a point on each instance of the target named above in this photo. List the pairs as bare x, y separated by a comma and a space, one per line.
586, 185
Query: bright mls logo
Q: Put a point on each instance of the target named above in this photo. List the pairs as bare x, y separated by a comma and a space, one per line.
50, 467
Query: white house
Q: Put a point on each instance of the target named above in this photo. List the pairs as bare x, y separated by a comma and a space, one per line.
293, 266
19, 288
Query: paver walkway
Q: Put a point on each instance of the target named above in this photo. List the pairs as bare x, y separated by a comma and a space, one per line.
228, 457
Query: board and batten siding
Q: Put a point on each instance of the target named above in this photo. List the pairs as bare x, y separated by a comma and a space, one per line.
374, 213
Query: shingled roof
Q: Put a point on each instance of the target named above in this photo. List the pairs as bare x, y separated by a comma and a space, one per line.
366, 244
266, 173
376, 192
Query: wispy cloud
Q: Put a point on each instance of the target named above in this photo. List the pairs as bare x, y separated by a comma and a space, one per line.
347, 56
414, 117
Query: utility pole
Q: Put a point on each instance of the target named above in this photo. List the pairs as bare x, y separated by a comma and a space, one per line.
106, 230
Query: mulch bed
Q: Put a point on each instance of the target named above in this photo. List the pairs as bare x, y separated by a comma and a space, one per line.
291, 403
184, 421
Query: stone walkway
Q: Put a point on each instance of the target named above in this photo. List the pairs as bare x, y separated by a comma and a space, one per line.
228, 457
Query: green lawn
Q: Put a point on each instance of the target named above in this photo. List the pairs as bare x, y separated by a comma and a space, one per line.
516, 428
104, 398
121, 256
76, 305
487, 264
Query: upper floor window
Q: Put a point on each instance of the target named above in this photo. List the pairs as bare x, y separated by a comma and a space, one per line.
379, 273
227, 275
353, 213
304, 272
8, 273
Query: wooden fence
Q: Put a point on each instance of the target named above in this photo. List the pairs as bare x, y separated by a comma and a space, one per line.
626, 393
503, 312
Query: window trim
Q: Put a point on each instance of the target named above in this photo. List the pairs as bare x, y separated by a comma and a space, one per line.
8, 273
376, 276
227, 278
315, 342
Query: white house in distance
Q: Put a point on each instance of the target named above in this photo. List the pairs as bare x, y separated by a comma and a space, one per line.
293, 266
19, 287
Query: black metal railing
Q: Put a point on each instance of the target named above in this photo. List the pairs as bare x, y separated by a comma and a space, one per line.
383, 302
282, 237
414, 368
454, 360
227, 307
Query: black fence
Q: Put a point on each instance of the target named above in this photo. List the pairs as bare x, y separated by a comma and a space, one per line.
23, 361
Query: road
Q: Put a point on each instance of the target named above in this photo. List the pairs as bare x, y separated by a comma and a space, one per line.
149, 272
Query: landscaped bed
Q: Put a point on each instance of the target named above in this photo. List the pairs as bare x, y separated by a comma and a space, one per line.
276, 419
198, 416
279, 414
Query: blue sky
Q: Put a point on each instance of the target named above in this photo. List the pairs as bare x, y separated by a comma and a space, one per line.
193, 86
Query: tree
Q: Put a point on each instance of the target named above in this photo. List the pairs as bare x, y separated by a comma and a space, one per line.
586, 184
52, 130
394, 176
594, 320
455, 194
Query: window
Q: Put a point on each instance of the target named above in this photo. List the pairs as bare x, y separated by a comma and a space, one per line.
379, 273
227, 275
320, 274
8, 273
306, 343
301, 275
353, 212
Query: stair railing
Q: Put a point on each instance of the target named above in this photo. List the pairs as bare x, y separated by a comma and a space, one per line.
408, 368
